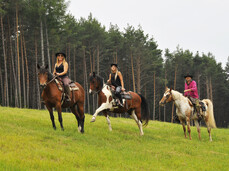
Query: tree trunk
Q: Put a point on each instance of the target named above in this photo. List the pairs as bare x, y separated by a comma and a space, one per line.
18, 59
164, 105
174, 89
132, 67
1, 85
210, 87
74, 64
207, 88
23, 72
5, 66
47, 41
42, 43
154, 99
37, 82
85, 76
139, 74
27, 72
13, 67
69, 60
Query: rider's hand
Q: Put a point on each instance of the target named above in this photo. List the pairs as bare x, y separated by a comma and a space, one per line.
123, 89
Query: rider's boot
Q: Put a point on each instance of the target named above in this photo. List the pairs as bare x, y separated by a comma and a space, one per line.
198, 109
68, 93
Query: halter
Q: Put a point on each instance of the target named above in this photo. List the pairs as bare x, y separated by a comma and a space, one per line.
164, 102
50, 81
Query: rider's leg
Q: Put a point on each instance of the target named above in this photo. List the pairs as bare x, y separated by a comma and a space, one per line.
67, 88
117, 93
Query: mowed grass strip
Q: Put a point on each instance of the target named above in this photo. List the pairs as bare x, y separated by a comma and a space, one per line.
28, 142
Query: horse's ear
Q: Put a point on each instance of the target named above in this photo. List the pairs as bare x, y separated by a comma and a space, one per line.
166, 88
170, 89
38, 66
46, 67
93, 74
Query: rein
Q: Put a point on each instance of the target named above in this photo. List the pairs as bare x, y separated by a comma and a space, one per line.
101, 89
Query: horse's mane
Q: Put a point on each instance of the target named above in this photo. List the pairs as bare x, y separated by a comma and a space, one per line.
99, 78
177, 94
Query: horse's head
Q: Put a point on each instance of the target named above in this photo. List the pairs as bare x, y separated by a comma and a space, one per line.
167, 97
43, 75
96, 83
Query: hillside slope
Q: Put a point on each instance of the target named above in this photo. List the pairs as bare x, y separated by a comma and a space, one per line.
28, 142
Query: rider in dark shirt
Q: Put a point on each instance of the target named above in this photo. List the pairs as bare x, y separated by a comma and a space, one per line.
116, 79
61, 70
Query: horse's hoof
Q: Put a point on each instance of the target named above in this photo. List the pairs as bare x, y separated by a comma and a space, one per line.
54, 128
93, 119
62, 129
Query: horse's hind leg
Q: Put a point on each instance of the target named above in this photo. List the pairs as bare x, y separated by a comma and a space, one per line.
189, 129
79, 114
51, 116
138, 121
59, 110
198, 128
209, 129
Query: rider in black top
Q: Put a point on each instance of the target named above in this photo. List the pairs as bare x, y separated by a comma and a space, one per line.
61, 70
116, 80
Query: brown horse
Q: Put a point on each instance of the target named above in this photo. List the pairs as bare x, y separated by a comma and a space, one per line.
105, 101
53, 98
185, 111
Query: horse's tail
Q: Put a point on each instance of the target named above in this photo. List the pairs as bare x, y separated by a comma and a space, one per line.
210, 113
144, 111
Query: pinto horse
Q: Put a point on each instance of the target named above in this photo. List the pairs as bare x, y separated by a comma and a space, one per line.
53, 98
105, 102
185, 111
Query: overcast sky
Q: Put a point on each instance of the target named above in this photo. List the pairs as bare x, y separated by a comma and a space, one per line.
197, 25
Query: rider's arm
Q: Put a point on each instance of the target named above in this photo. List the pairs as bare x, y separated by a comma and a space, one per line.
121, 79
109, 79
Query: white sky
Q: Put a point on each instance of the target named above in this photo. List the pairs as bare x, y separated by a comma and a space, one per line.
197, 25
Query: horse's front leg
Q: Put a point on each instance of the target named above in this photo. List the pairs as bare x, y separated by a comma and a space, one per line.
198, 128
100, 109
183, 125
59, 110
51, 116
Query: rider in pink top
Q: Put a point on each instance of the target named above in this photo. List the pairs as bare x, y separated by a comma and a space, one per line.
190, 87
191, 92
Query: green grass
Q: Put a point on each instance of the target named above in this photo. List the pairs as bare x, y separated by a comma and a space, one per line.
28, 142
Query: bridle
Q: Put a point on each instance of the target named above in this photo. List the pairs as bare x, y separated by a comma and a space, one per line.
45, 85
167, 96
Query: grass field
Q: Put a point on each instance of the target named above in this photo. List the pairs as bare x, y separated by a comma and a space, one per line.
28, 142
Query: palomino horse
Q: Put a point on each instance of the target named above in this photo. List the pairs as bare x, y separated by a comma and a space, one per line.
185, 109
53, 97
105, 101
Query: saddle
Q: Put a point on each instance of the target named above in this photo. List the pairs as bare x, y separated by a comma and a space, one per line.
193, 102
60, 85
124, 95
